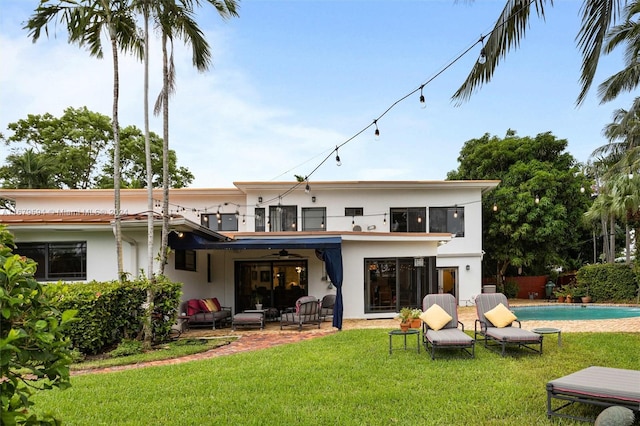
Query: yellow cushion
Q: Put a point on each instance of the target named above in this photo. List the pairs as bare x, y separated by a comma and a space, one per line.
500, 316
435, 317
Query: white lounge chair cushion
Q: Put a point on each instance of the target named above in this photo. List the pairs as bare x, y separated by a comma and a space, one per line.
436, 317
500, 316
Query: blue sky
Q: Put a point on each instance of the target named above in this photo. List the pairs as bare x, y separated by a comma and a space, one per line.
292, 80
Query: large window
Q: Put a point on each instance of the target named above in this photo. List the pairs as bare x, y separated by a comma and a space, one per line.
57, 261
447, 219
313, 219
220, 221
283, 218
408, 219
394, 283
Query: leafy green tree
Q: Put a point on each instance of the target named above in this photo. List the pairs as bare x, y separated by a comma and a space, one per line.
34, 353
75, 151
509, 30
533, 218
132, 165
74, 143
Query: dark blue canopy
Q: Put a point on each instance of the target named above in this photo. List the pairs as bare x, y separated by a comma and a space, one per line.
332, 258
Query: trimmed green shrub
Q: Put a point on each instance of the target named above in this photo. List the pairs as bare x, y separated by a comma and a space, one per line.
34, 352
608, 282
109, 312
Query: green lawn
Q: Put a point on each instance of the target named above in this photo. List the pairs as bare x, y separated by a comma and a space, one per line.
347, 378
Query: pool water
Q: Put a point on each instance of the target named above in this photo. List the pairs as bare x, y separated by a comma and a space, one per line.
574, 312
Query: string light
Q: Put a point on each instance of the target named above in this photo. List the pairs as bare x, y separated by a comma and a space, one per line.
376, 133
307, 188
537, 199
495, 207
423, 103
338, 162
482, 59
455, 213
384, 221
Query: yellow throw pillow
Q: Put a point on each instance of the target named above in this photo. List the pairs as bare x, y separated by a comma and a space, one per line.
500, 316
211, 307
436, 317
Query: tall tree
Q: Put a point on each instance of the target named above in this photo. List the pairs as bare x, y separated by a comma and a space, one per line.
76, 141
28, 170
176, 20
85, 21
533, 218
597, 18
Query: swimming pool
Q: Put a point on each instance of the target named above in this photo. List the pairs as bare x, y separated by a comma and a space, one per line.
574, 312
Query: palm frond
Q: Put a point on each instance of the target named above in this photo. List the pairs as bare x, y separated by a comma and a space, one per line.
508, 31
597, 17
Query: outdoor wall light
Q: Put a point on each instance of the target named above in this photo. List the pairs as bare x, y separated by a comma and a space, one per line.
313, 199
259, 199
468, 267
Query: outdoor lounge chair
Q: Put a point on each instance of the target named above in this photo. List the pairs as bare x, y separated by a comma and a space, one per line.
306, 312
326, 306
439, 334
602, 386
500, 330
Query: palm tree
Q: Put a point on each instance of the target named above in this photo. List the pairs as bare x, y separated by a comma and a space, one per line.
85, 21
629, 77
510, 28
176, 19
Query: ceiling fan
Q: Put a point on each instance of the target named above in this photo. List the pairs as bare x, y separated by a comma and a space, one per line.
284, 254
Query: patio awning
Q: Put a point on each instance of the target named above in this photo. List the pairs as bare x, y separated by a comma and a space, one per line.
190, 241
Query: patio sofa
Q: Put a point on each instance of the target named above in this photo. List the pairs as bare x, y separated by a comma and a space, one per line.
200, 312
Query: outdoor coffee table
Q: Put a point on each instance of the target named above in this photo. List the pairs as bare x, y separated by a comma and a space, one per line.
410, 331
549, 330
249, 318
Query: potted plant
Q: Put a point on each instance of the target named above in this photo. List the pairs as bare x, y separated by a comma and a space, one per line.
561, 294
405, 318
416, 322
258, 299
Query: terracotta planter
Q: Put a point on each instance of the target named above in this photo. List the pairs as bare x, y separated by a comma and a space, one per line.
569, 299
416, 323
560, 299
586, 299
404, 326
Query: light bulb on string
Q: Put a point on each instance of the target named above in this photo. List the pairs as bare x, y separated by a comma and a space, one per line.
630, 173
384, 221
482, 59
582, 189
537, 199
376, 133
307, 188
423, 103
495, 207
338, 162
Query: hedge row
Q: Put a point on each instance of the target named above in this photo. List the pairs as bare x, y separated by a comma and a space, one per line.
111, 311
609, 282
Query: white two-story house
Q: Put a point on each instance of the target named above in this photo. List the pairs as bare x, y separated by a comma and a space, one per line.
392, 242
